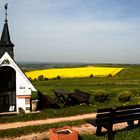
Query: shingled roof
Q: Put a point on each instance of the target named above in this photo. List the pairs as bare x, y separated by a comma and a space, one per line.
5, 37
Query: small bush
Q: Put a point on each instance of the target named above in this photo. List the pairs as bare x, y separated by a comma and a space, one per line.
58, 77
125, 96
40, 77
101, 95
91, 76
35, 80
46, 78
109, 75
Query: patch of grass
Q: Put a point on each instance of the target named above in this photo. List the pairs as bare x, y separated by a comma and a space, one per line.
132, 134
91, 137
49, 113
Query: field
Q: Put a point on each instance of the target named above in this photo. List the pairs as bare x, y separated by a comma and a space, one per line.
126, 80
78, 72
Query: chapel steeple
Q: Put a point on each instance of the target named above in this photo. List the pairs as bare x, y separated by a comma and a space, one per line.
5, 43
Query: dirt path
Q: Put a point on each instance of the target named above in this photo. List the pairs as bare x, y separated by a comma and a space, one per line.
82, 129
46, 121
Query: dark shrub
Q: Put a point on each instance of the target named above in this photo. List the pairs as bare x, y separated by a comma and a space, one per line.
109, 75
35, 79
58, 77
46, 78
125, 96
101, 95
40, 78
91, 76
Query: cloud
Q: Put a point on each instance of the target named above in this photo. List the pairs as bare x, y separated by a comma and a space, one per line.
59, 26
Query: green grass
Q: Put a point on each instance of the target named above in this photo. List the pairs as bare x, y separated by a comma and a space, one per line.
49, 113
132, 134
91, 137
129, 78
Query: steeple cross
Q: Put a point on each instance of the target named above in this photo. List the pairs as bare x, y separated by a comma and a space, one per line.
6, 7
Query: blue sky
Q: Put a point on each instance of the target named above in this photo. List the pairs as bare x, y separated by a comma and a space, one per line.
92, 31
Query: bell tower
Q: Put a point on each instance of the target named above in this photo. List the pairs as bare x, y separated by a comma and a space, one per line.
5, 42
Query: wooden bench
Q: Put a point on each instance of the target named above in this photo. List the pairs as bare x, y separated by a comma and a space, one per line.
79, 96
109, 116
63, 96
71, 98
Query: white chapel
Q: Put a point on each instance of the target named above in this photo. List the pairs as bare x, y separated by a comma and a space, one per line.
15, 88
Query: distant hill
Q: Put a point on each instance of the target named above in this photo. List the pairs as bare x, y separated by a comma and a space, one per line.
27, 66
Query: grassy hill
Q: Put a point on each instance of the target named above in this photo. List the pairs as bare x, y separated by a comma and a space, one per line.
127, 80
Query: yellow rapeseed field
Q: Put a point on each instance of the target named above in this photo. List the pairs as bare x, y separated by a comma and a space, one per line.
74, 72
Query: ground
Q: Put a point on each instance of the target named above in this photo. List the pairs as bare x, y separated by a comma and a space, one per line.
82, 129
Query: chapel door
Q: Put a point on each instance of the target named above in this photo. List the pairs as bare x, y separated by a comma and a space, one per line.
7, 89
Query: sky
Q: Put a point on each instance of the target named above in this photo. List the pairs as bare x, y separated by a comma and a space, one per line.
86, 31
